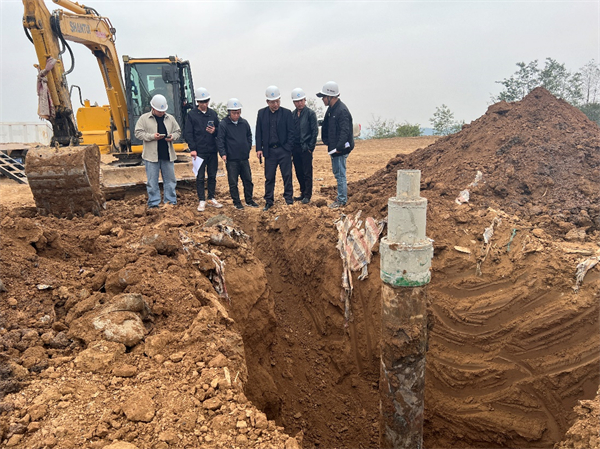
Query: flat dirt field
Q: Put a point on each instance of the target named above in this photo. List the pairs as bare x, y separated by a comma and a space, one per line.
171, 328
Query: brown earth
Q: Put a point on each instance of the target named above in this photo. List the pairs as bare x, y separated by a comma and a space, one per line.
512, 350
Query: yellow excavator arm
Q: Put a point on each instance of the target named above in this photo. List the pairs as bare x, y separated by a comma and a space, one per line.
48, 32
66, 181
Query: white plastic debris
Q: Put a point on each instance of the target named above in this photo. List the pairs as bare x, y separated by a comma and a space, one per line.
478, 177
582, 269
463, 197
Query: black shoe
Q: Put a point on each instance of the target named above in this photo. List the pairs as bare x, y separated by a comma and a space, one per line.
305, 200
297, 198
267, 207
238, 206
252, 204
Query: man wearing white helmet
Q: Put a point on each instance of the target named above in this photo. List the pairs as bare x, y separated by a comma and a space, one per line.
200, 133
157, 130
274, 140
306, 130
235, 142
336, 133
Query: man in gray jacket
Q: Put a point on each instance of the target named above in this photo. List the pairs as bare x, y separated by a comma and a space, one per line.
305, 140
157, 130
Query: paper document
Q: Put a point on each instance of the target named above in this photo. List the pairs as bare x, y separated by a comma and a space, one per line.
196, 163
332, 151
347, 145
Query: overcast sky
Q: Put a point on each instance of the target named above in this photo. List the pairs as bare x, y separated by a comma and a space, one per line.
395, 59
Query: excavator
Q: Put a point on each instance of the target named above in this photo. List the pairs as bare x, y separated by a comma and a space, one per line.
59, 175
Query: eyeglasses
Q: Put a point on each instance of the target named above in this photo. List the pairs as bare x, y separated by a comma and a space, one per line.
203, 101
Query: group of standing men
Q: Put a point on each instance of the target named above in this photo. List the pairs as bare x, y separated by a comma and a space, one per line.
283, 138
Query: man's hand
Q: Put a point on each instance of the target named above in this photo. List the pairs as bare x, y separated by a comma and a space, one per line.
210, 129
224, 158
169, 138
259, 154
193, 154
158, 136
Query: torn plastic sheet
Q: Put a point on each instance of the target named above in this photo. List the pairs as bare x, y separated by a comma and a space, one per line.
582, 269
216, 276
355, 244
488, 233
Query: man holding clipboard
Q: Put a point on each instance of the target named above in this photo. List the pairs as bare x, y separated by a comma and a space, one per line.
200, 133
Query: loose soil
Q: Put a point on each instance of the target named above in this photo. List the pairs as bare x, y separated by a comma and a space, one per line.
512, 349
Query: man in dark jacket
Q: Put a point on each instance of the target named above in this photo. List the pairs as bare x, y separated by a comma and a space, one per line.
336, 133
305, 133
201, 131
274, 140
235, 142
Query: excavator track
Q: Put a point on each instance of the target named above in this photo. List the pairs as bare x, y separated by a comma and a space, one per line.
65, 181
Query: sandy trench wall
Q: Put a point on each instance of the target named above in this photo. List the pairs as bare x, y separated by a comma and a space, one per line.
314, 374
511, 350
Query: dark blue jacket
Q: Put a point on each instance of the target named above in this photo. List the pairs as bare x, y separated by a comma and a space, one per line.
285, 130
235, 140
195, 134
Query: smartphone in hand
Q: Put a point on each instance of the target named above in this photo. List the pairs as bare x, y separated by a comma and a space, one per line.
211, 124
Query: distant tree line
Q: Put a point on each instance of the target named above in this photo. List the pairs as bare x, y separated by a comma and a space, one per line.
581, 89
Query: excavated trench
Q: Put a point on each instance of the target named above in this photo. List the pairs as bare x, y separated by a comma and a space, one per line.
497, 374
309, 369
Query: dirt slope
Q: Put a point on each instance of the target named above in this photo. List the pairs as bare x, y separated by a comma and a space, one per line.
514, 348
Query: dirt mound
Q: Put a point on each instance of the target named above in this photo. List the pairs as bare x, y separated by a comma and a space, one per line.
540, 159
513, 346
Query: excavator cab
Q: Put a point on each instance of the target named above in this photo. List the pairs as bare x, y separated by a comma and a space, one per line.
146, 77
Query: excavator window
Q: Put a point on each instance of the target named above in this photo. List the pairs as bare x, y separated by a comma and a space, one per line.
145, 79
148, 81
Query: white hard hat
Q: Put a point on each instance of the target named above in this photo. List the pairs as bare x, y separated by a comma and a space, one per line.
159, 102
298, 94
233, 104
202, 94
273, 93
330, 89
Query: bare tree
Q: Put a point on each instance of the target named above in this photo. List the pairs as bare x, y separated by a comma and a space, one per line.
590, 78
315, 105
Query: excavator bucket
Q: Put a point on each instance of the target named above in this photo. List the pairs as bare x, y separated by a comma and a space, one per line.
65, 181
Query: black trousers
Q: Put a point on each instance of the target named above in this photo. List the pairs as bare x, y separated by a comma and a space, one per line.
283, 159
210, 165
240, 169
304, 171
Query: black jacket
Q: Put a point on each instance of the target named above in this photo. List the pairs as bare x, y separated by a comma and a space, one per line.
337, 129
306, 129
235, 141
285, 130
195, 134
